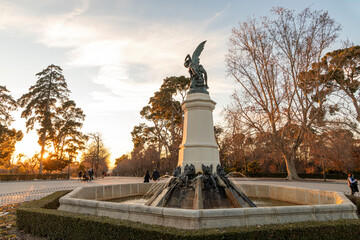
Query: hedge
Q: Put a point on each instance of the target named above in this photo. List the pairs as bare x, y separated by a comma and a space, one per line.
303, 175
42, 219
23, 177
355, 200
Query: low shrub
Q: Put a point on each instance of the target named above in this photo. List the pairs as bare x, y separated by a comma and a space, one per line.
25, 177
42, 219
355, 200
303, 175
268, 175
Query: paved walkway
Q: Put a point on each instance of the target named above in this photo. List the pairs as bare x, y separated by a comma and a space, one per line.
20, 186
21, 191
333, 185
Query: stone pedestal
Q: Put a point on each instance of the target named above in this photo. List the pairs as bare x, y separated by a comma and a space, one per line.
198, 145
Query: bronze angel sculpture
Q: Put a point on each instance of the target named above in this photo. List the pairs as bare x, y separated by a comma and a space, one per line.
197, 72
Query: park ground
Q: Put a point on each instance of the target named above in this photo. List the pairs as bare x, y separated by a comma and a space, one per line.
8, 228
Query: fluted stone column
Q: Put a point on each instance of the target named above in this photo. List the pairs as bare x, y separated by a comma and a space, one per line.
198, 145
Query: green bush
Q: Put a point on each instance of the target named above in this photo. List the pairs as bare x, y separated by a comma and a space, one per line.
24, 177
355, 200
302, 175
268, 175
321, 176
42, 219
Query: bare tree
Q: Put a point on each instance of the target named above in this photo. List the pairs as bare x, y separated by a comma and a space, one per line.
96, 155
271, 59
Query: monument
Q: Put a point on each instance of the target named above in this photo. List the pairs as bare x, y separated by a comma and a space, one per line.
198, 146
199, 181
198, 75
199, 195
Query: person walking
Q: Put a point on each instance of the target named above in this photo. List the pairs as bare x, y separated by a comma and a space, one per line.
91, 174
85, 177
147, 177
80, 175
155, 175
352, 184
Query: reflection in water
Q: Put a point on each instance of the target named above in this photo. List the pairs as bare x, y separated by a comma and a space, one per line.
157, 186
129, 200
266, 202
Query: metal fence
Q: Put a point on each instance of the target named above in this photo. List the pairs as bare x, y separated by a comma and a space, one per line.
25, 196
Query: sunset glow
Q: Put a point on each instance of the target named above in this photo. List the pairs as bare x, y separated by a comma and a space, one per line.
115, 54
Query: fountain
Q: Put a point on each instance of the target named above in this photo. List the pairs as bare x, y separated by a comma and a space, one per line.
199, 186
199, 195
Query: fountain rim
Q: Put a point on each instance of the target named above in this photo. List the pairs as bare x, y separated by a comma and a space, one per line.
208, 218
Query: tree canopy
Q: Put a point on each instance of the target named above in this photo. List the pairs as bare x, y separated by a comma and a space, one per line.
96, 155
7, 104
8, 137
165, 115
56, 118
269, 57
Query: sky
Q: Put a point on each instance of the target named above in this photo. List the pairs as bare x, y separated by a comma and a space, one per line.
116, 53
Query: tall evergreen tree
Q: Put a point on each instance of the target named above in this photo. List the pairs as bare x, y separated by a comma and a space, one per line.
7, 104
67, 139
166, 115
342, 73
8, 137
41, 102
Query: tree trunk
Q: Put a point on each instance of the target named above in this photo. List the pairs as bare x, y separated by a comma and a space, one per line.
323, 167
70, 158
173, 161
42, 153
47, 114
290, 167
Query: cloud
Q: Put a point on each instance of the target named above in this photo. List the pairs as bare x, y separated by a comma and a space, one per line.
217, 15
132, 55
125, 56
134, 63
97, 53
53, 30
117, 79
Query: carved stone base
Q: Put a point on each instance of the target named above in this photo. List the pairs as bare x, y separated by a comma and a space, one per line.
198, 145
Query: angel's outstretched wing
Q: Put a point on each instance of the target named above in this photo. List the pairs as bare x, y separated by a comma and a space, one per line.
197, 52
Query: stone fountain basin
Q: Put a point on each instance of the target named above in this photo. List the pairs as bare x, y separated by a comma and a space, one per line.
319, 205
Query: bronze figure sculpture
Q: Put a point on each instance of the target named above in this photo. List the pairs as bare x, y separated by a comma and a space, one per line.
198, 75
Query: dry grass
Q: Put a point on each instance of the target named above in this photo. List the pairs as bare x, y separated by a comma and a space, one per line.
8, 229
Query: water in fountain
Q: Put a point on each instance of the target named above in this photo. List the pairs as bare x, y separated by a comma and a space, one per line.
204, 190
232, 175
171, 192
158, 185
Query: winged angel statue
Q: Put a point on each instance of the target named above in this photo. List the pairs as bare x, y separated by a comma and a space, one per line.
197, 72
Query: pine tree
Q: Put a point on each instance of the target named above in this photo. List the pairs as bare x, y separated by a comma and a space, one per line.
8, 137
67, 139
7, 104
41, 102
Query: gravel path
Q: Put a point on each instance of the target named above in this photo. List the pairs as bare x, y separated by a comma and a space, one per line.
333, 185
20, 186
22, 191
